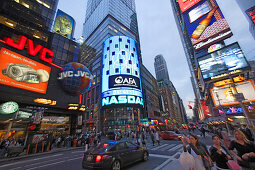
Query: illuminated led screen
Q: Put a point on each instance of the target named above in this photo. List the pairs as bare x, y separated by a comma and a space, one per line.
229, 58
64, 24
206, 24
121, 81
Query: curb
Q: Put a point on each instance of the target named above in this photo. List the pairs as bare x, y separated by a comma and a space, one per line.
38, 154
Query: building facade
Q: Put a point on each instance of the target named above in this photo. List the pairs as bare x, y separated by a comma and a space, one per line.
28, 47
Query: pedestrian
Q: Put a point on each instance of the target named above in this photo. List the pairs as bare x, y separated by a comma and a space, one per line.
219, 154
3, 148
202, 131
87, 142
245, 150
152, 138
202, 158
247, 133
143, 139
157, 138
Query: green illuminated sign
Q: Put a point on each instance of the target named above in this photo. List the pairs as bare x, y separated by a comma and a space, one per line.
9, 107
122, 100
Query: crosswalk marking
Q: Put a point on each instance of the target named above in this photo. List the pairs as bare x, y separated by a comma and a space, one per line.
176, 147
167, 147
159, 147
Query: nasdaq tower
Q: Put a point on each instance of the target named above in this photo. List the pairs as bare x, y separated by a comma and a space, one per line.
104, 19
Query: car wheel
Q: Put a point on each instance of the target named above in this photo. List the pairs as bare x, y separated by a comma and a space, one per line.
145, 156
116, 165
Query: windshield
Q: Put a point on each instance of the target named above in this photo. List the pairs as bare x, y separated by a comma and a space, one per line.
104, 146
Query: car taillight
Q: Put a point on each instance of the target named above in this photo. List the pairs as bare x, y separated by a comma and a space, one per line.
83, 156
99, 158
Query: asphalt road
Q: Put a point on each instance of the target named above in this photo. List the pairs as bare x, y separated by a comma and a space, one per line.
159, 157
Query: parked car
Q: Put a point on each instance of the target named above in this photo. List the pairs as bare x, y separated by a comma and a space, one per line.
169, 135
114, 155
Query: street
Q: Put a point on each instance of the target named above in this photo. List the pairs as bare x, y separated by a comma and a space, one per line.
159, 158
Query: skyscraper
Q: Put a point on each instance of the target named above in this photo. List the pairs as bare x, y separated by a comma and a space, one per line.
161, 68
106, 18
248, 8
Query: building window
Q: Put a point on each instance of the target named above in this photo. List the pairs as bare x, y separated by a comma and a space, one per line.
136, 73
116, 45
123, 52
107, 72
133, 49
120, 39
137, 65
108, 48
128, 41
110, 41
130, 62
116, 70
121, 60
128, 70
132, 54
105, 56
113, 53
110, 62
126, 46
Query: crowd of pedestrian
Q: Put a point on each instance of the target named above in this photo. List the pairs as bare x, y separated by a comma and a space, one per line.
225, 153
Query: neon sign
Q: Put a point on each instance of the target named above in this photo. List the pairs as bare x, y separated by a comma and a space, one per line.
45, 54
122, 100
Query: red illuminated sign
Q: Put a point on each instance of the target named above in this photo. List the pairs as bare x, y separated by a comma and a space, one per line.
251, 14
186, 4
45, 54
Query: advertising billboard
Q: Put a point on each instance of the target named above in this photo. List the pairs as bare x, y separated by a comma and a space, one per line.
223, 96
121, 81
206, 24
64, 24
21, 72
186, 4
229, 58
251, 14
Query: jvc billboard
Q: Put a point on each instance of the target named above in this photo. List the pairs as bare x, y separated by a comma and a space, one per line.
121, 79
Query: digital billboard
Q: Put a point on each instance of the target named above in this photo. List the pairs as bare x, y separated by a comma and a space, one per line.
223, 96
230, 58
251, 14
121, 79
186, 4
206, 24
64, 24
21, 72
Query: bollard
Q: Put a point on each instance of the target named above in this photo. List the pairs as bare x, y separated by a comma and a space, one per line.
48, 147
74, 143
42, 146
36, 148
28, 148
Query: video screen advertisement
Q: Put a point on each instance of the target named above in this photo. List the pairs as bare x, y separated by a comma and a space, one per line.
206, 24
121, 79
186, 4
22, 72
64, 24
223, 96
215, 65
251, 14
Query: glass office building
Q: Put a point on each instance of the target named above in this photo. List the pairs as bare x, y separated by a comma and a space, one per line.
106, 18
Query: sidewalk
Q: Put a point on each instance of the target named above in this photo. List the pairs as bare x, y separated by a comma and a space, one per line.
54, 150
